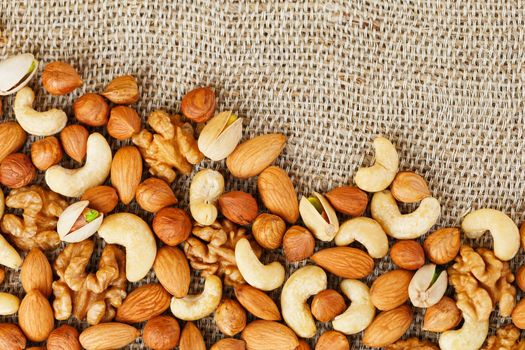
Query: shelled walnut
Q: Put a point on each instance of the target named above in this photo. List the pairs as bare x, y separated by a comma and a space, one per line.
94, 296
412, 344
211, 250
172, 146
37, 226
506, 338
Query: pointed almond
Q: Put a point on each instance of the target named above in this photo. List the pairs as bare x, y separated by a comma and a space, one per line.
388, 327
36, 273
257, 302
126, 172
105, 336
443, 245
390, 290
442, 317
263, 335
143, 303
74, 141
191, 338
278, 194
348, 200
101, 198
12, 138
173, 271
229, 344
409, 187
344, 262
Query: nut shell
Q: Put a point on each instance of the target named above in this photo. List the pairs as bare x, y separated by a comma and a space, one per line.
298, 244
172, 225
390, 290
327, 304
239, 207
161, 333
91, 109
35, 316
268, 230
123, 122
64, 337
74, 140
199, 104
101, 198
122, 90
348, 200
60, 78
230, 317
443, 245
11, 337
46, 152
442, 316
154, 194
16, 170
407, 254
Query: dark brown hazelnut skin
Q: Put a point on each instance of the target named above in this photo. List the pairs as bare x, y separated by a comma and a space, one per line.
16, 170
91, 109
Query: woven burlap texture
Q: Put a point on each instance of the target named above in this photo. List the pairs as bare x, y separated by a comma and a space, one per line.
442, 79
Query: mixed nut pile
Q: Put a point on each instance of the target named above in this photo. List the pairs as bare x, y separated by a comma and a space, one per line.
224, 235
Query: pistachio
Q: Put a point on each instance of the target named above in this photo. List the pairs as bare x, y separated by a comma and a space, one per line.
220, 136
428, 286
78, 222
319, 216
16, 72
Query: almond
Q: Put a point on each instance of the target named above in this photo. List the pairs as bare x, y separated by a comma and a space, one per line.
154, 194
303, 345
298, 244
518, 314
35, 316
344, 262
229, 344
263, 335
122, 90
390, 289
143, 303
348, 200
239, 207
36, 273
442, 246
409, 187
60, 78
172, 225
107, 336
332, 340
251, 157
442, 317
199, 104
407, 254
124, 122
74, 140
11, 337
173, 271
12, 138
388, 327
161, 333
278, 194
257, 302
101, 198
126, 172
230, 317
191, 338
327, 304
46, 152
64, 337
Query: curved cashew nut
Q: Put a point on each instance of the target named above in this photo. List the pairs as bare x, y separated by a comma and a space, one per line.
8, 304
74, 182
504, 231
469, 337
367, 232
206, 187
8, 255
361, 311
37, 123
195, 307
404, 226
301, 285
423, 290
380, 175
264, 277
135, 235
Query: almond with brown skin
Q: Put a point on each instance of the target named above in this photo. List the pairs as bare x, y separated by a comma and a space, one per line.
407, 254
239, 207
46, 152
442, 316
298, 244
443, 245
303, 345
35, 316
173, 271
409, 187
229, 344
11, 337
36, 273
12, 138
101, 198
332, 340
106, 336
122, 90
230, 317
74, 140
257, 302
91, 109
154, 194
349, 200
161, 333
390, 290
191, 338
344, 262
199, 104
264, 335
60, 78
327, 304
126, 172
143, 303
64, 337
388, 327
278, 194
123, 123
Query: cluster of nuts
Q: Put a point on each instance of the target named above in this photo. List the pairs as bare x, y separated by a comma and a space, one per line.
225, 235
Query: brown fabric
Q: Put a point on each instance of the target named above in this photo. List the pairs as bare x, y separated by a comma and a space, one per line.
444, 80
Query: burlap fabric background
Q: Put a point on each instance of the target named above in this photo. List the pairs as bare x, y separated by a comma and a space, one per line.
442, 79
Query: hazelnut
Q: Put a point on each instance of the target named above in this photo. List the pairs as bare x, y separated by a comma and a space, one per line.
230, 317
327, 304
408, 255
298, 244
154, 194
101, 198
199, 104
332, 340
161, 333
268, 230
520, 277
91, 109
16, 170
123, 123
46, 152
172, 225
63, 338
239, 207
122, 90
74, 140
60, 78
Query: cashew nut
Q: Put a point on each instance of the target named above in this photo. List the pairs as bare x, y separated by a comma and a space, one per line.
319, 216
301, 285
135, 235
264, 277
195, 307
206, 187
367, 232
380, 175
428, 285
8, 304
361, 311
74, 182
470, 336
504, 231
404, 226
8, 255
37, 123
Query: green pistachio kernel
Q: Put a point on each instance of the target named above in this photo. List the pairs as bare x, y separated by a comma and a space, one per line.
91, 215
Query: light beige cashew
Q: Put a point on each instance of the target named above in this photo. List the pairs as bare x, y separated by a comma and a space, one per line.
135, 235
301, 285
504, 231
195, 307
16, 72
312, 210
361, 311
470, 336
68, 218
37, 123
8, 255
264, 277
367, 232
220, 136
424, 289
8, 304
404, 226
74, 182
380, 175
205, 189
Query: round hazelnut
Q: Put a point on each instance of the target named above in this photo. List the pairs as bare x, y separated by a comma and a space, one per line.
239, 207
46, 152
63, 338
154, 194
332, 340
161, 333
268, 230
298, 244
230, 317
327, 304
60, 78
172, 225
123, 123
199, 104
91, 109
74, 140
16, 170
408, 254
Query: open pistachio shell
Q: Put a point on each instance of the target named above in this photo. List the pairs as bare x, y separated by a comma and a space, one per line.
68, 218
219, 138
425, 289
16, 72
325, 230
